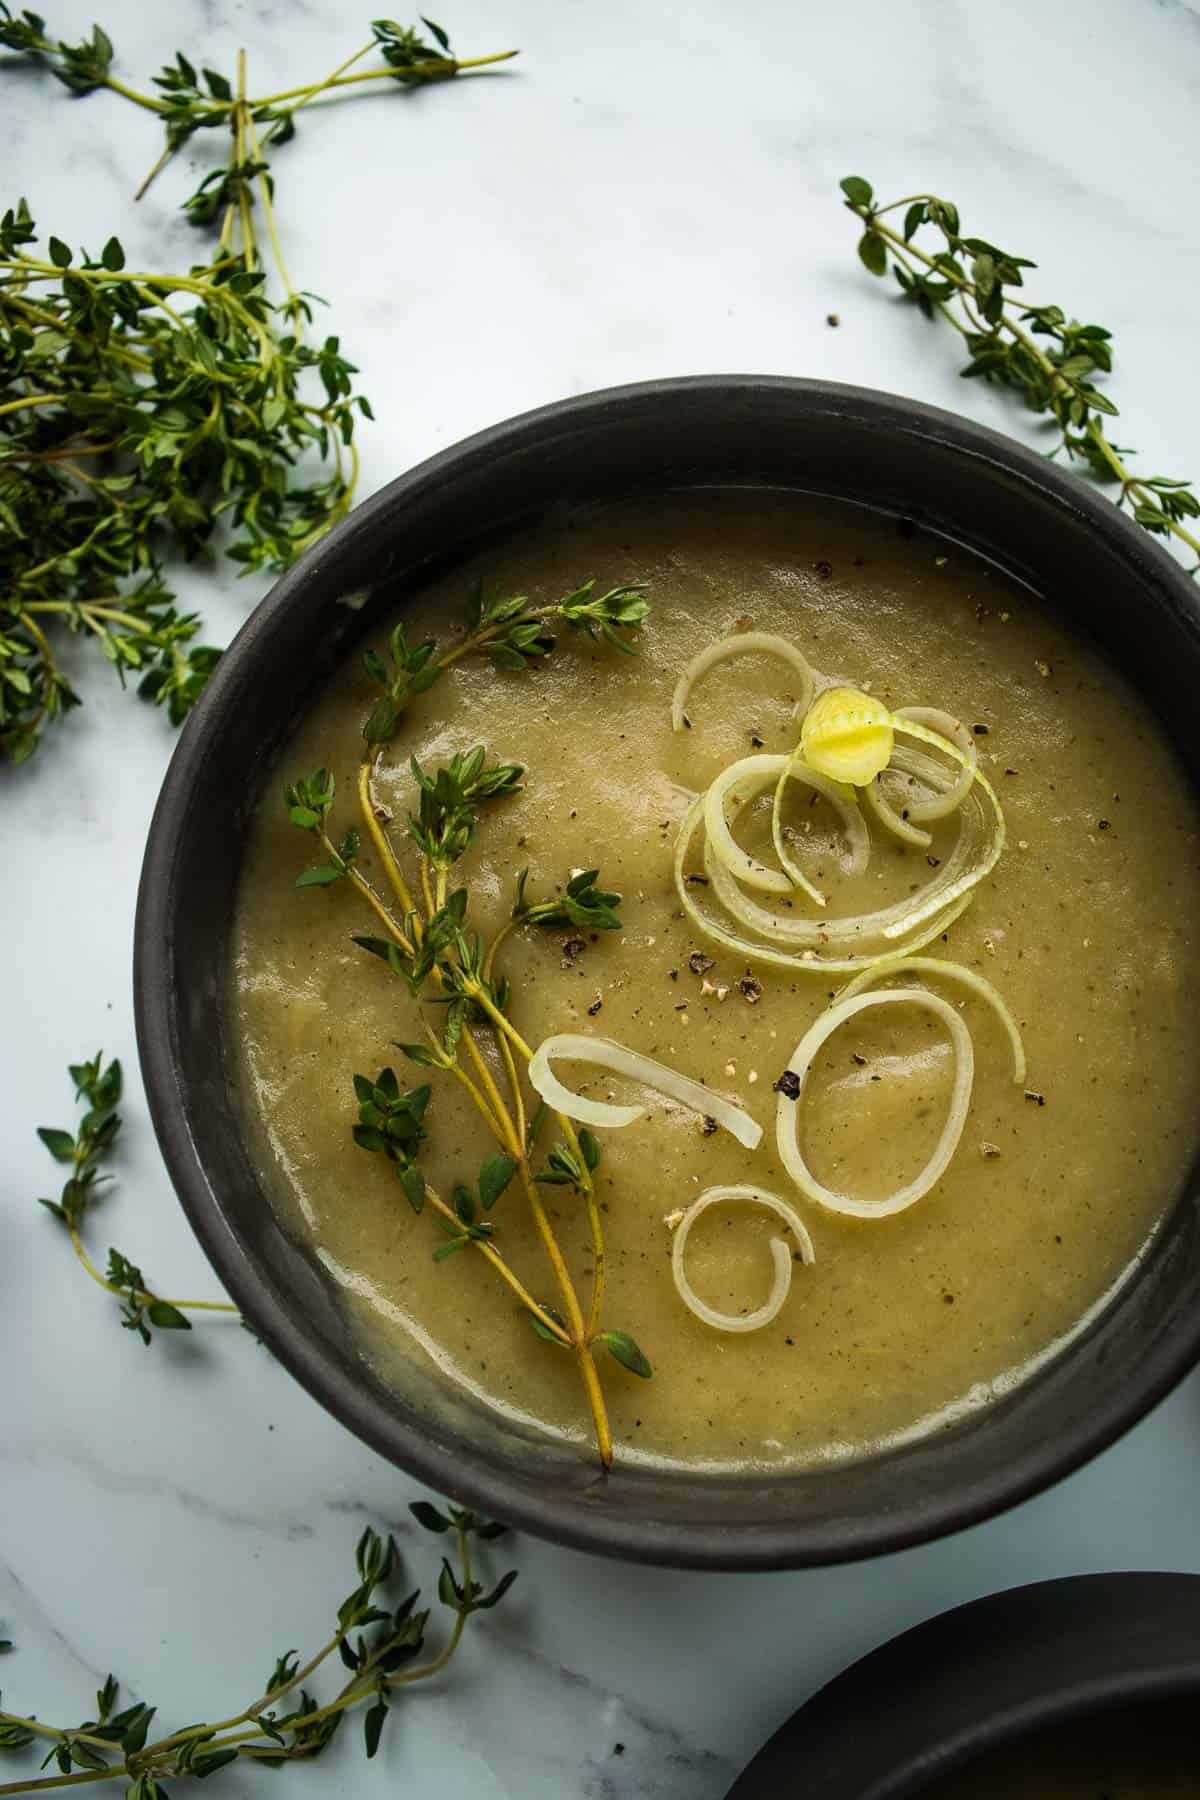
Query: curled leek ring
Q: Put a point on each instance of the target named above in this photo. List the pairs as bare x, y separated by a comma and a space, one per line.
751, 775
788, 1111
740, 643
781, 1256
946, 795
606, 1053
947, 971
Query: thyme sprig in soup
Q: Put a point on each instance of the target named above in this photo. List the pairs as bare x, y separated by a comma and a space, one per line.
732, 1012
429, 943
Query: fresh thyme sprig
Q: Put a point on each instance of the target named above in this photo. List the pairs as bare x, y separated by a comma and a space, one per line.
1050, 359
142, 411
378, 1643
506, 626
191, 100
580, 902
447, 816
84, 1153
568, 1167
511, 630
433, 949
139, 411
391, 1123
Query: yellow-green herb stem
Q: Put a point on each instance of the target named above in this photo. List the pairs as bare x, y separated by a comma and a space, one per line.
445, 65
368, 893
244, 1731
490, 1103
379, 838
595, 1227
144, 1294
493, 1256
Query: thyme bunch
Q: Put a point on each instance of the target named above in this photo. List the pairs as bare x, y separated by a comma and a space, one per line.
378, 1637
428, 942
1042, 354
145, 415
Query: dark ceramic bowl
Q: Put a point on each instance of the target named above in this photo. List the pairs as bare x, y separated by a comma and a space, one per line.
1012, 505
981, 1677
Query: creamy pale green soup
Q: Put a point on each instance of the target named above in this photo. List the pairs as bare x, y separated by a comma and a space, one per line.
1088, 928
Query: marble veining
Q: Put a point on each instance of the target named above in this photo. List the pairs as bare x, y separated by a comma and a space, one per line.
648, 191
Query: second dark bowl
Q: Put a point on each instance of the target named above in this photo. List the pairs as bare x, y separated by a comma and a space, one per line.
996, 1672
1043, 525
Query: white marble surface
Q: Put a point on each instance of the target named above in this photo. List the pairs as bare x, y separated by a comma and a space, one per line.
650, 191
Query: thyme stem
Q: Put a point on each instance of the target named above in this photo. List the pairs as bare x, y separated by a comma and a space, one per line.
442, 65
595, 1227
144, 1294
43, 1782
378, 835
502, 1268
373, 900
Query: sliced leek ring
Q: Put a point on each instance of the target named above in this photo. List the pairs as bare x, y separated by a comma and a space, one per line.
938, 966
738, 784
781, 1256
606, 1053
806, 960
740, 643
787, 1114
946, 795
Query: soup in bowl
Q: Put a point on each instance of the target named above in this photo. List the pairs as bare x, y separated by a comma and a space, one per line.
667, 971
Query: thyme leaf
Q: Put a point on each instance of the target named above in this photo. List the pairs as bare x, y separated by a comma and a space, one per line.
624, 1350
581, 902
567, 1166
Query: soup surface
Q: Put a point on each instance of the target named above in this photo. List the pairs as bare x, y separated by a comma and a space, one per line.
1087, 927
1133, 1753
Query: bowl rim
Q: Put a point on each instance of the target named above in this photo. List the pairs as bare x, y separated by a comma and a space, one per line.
981, 1676
455, 1470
